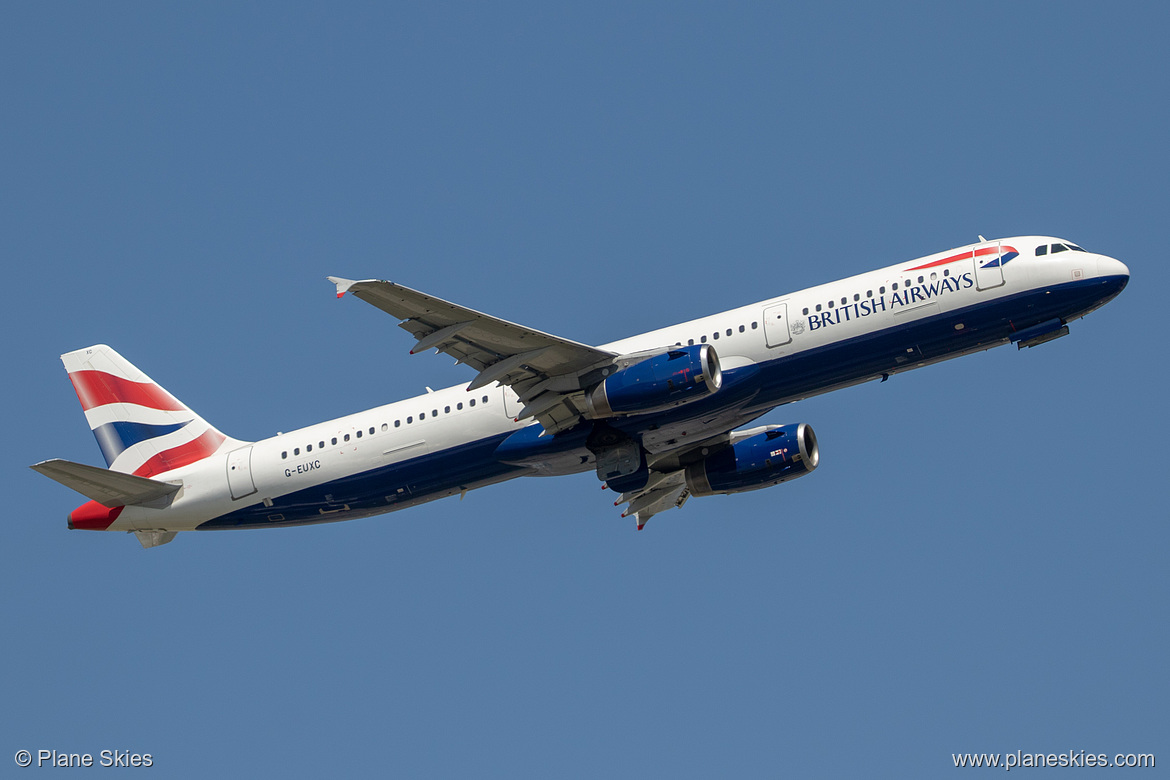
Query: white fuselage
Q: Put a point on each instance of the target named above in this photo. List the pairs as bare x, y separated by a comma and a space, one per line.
809, 322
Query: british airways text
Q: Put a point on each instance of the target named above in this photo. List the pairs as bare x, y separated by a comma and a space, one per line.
917, 294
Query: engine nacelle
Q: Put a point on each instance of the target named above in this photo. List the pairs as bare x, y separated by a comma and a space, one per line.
674, 377
759, 461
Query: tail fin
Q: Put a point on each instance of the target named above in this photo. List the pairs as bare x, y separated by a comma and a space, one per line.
141, 428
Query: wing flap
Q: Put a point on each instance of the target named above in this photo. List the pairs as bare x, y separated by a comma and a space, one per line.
108, 488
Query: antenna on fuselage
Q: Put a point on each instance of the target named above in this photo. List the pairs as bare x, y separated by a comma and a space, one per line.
982, 240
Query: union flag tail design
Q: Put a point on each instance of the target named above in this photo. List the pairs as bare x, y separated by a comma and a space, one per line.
140, 427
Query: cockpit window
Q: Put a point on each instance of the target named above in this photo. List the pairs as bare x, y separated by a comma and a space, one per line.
1044, 249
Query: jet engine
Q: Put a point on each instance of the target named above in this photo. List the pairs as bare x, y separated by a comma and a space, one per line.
671, 378
760, 461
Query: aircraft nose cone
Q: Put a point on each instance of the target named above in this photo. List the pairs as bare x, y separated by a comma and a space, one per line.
1114, 274
1107, 266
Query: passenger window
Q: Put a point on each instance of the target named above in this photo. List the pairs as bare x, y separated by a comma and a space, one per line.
690, 342
371, 431
446, 410
309, 448
893, 287
320, 445
920, 280
359, 434
703, 339
385, 427
869, 293
434, 412
398, 423
818, 307
857, 296
882, 290
297, 451
946, 272
471, 402
754, 324
485, 399
284, 455
1042, 250
346, 437
805, 310
716, 334
933, 276
844, 301
729, 331
741, 328
409, 420
459, 405
333, 440
422, 415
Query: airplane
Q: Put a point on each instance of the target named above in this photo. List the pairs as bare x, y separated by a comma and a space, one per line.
657, 416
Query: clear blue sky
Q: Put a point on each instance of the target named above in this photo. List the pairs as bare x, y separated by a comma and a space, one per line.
979, 564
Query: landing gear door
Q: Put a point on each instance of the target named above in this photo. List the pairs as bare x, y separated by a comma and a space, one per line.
239, 473
988, 267
776, 325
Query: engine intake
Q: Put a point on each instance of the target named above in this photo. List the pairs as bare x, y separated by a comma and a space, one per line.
677, 376
759, 461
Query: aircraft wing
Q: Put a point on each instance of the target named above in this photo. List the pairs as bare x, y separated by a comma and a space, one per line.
549, 373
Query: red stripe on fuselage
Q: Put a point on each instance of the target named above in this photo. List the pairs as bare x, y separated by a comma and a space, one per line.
97, 388
182, 455
987, 250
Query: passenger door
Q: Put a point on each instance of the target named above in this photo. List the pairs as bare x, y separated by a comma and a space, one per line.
239, 472
988, 267
776, 325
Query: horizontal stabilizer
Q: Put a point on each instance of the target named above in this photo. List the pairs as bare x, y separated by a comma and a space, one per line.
108, 488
